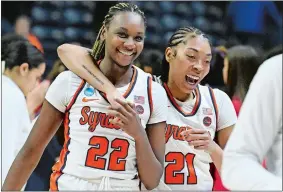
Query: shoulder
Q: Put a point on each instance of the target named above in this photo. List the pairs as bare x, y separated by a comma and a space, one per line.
219, 94
271, 66
68, 78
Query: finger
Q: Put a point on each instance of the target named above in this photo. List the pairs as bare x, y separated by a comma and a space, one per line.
202, 147
118, 123
192, 137
198, 143
117, 114
199, 131
120, 108
116, 119
127, 105
132, 105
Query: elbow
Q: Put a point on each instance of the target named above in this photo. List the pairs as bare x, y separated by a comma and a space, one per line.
152, 182
63, 49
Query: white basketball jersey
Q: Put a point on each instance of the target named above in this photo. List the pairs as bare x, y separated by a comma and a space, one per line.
185, 167
93, 147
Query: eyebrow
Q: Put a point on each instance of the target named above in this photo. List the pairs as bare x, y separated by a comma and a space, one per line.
208, 54
124, 29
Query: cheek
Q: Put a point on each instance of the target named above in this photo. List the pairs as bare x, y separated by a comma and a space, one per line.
32, 81
140, 46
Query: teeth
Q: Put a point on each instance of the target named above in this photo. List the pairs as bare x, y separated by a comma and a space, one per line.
126, 52
193, 77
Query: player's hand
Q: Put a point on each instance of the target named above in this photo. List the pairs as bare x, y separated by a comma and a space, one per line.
36, 97
115, 94
200, 139
126, 118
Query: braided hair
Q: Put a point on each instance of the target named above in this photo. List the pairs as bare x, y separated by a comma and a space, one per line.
99, 45
178, 37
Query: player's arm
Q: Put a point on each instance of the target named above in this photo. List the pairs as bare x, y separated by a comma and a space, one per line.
151, 150
149, 142
258, 125
216, 153
78, 60
227, 118
28, 157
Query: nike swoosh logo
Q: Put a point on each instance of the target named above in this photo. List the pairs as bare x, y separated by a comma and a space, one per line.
87, 100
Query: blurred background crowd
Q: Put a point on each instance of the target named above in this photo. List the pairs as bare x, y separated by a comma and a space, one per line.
242, 34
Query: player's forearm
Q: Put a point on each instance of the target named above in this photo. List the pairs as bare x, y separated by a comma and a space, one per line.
21, 169
216, 155
150, 169
78, 60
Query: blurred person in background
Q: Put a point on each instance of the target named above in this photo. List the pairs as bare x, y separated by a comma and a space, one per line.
57, 68
240, 65
257, 134
214, 77
36, 96
23, 67
151, 61
40, 177
22, 27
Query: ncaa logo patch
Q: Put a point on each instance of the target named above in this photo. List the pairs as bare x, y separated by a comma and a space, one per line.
207, 121
89, 91
139, 109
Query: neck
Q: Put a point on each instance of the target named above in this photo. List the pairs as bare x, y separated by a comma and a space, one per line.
14, 76
119, 76
177, 93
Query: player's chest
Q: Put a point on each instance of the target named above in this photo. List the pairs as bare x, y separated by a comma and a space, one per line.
203, 118
91, 108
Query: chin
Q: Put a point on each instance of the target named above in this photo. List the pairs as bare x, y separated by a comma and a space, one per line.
123, 65
189, 88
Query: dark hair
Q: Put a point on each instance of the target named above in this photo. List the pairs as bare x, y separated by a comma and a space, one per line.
217, 63
99, 45
178, 37
243, 64
17, 51
153, 59
6, 39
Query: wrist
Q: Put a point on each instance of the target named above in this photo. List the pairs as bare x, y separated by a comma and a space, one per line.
212, 148
141, 135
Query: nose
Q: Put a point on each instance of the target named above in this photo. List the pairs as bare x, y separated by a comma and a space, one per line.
129, 43
198, 66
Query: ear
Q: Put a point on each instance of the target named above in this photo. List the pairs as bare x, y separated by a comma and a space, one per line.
169, 54
103, 33
24, 69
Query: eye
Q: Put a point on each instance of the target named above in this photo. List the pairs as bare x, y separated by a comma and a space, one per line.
207, 62
191, 57
139, 38
122, 35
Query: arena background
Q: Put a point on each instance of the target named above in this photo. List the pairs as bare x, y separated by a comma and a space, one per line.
57, 22
255, 23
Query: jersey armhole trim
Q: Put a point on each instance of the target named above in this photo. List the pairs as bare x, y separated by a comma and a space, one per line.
80, 88
212, 95
149, 94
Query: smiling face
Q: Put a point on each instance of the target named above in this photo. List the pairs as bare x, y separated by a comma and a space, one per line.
124, 38
189, 62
